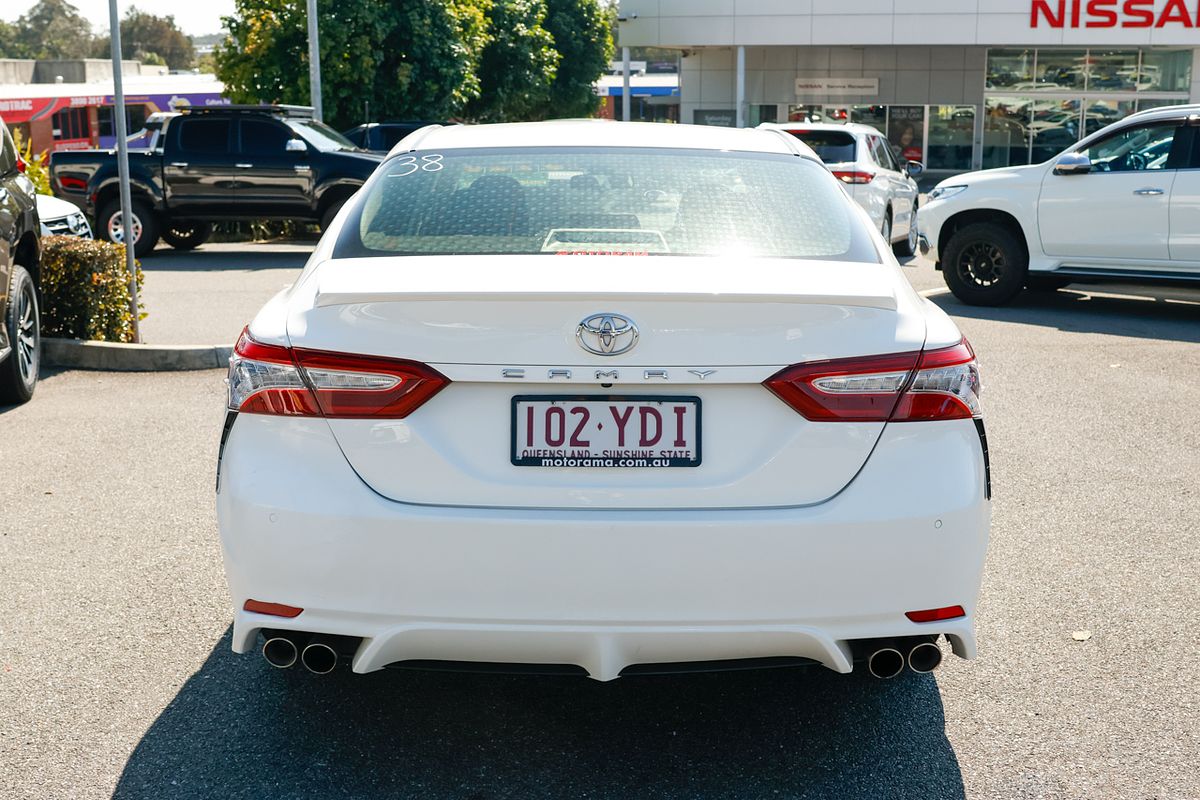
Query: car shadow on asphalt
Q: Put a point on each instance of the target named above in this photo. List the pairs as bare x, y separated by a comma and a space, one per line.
250, 257
1141, 312
238, 728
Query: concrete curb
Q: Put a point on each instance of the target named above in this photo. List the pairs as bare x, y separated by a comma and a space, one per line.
118, 357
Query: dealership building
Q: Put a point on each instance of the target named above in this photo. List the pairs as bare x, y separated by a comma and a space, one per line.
957, 84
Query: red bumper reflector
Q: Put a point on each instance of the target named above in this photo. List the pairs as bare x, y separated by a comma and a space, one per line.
935, 614
274, 609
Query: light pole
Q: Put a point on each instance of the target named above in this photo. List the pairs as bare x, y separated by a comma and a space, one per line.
114, 34
314, 61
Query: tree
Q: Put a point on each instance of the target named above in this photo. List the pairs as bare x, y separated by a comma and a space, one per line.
54, 29
582, 35
151, 39
402, 59
11, 45
518, 64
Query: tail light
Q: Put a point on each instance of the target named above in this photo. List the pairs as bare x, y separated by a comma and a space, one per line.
20, 163
902, 387
853, 176
284, 381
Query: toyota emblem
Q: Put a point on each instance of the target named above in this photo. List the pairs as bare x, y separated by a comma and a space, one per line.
607, 334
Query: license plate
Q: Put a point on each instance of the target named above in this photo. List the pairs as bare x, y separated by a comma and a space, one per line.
591, 431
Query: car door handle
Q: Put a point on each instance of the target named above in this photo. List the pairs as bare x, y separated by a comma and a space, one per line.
244, 166
302, 168
1148, 192
179, 164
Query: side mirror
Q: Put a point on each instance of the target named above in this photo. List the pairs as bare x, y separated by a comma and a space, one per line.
295, 146
1072, 164
914, 169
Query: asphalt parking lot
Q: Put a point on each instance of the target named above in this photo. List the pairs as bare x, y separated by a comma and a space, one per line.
116, 677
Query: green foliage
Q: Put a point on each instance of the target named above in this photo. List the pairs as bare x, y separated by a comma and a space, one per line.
85, 290
150, 39
37, 166
518, 65
52, 29
582, 33
490, 60
404, 59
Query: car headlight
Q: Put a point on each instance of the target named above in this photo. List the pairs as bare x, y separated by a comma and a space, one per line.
942, 192
76, 223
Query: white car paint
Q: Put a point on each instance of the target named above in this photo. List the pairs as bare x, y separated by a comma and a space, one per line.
1119, 223
58, 217
890, 193
417, 537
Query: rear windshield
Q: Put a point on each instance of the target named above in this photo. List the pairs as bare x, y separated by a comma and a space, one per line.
604, 201
834, 147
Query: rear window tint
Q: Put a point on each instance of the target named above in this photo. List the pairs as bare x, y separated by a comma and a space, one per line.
604, 200
204, 135
834, 147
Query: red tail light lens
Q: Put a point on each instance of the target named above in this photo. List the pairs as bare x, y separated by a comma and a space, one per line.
21, 167
901, 387
853, 176
270, 379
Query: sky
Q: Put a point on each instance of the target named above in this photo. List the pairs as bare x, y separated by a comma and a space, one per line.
194, 17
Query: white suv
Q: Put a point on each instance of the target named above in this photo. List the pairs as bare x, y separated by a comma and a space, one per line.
1122, 204
861, 158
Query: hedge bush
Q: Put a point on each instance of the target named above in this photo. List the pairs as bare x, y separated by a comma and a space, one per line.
85, 290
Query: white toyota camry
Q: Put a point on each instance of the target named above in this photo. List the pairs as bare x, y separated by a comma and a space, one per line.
603, 398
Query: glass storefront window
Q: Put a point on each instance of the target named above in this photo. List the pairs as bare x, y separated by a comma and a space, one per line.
1099, 113
1054, 128
1113, 70
1145, 105
765, 113
1007, 68
1165, 71
1006, 131
1060, 70
906, 132
875, 116
951, 137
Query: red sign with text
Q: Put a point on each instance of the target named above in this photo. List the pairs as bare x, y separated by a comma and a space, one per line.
1114, 14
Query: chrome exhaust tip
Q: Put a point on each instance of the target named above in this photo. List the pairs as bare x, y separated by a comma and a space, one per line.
280, 652
924, 657
319, 658
886, 662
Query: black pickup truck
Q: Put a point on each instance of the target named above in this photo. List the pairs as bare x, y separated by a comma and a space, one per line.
207, 165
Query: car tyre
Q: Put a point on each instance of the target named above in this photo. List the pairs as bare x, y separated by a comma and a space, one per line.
909, 246
145, 226
187, 236
331, 212
886, 230
984, 265
19, 371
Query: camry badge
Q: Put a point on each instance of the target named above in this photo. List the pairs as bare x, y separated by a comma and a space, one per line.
607, 334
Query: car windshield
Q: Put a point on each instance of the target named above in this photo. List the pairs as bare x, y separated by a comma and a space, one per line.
604, 201
834, 147
320, 135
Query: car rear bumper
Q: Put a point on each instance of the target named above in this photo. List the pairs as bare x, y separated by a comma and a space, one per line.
602, 590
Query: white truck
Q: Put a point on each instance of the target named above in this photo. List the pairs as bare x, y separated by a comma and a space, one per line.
1120, 205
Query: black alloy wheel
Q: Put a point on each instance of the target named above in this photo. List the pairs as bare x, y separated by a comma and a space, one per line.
19, 371
984, 265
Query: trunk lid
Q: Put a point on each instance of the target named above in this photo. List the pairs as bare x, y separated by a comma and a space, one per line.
504, 327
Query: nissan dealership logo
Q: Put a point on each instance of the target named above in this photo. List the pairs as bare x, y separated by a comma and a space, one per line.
607, 334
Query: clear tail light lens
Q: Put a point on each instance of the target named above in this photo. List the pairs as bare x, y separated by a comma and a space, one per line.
901, 387
269, 379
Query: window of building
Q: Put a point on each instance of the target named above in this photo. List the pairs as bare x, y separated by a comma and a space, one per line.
71, 123
1072, 94
951, 137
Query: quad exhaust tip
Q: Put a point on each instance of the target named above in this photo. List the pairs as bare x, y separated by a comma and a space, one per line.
924, 657
886, 662
280, 652
319, 658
